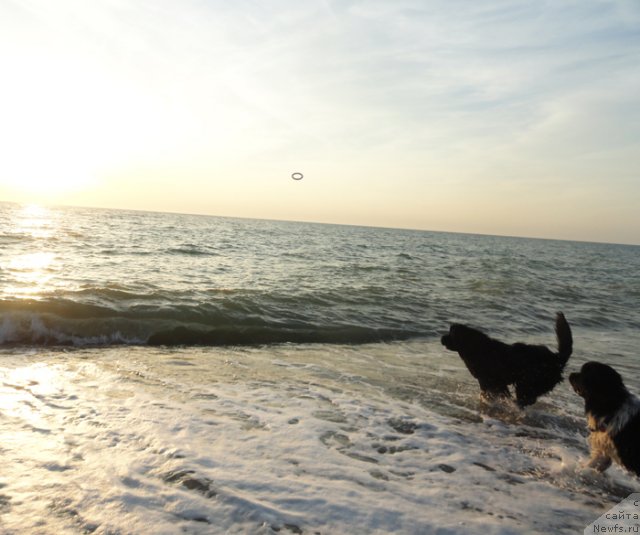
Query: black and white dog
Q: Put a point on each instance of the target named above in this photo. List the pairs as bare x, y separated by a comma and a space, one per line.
613, 417
533, 369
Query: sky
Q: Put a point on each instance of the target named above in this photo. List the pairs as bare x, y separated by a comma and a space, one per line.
506, 117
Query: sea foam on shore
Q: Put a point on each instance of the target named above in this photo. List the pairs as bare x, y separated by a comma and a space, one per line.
289, 439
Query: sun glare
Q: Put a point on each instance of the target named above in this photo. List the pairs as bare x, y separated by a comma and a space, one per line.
43, 171
45, 184
66, 124
32, 273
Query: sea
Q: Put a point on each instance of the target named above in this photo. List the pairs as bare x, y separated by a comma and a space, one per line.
170, 374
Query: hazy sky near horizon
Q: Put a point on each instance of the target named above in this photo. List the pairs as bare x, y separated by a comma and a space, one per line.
500, 117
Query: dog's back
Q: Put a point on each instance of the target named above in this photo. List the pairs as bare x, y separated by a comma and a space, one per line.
533, 369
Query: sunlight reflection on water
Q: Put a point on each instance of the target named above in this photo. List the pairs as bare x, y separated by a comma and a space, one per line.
36, 221
31, 273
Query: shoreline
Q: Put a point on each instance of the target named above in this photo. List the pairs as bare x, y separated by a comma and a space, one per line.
296, 439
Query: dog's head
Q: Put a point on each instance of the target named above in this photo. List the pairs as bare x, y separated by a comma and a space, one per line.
601, 387
460, 337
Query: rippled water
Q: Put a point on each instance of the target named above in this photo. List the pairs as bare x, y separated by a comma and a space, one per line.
82, 277
296, 382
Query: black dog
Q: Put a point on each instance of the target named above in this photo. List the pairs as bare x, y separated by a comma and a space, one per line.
613, 416
533, 369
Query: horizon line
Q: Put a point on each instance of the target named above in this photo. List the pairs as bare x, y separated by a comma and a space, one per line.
314, 222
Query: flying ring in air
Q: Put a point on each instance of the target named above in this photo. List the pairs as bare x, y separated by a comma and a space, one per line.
297, 176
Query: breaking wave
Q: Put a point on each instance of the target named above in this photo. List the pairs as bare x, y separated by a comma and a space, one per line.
68, 323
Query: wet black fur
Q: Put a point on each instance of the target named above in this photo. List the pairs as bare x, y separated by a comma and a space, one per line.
534, 370
612, 409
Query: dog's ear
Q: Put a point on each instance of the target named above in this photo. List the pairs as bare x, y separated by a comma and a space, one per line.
597, 376
602, 388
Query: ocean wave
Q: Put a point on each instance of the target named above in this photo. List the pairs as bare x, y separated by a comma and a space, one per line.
234, 336
15, 237
65, 323
191, 250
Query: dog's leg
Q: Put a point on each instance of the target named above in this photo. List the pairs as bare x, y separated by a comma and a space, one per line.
602, 450
525, 395
599, 463
492, 392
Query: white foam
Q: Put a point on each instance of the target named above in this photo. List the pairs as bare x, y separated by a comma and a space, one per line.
290, 438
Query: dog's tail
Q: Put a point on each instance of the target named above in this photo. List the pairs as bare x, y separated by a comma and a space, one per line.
565, 340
